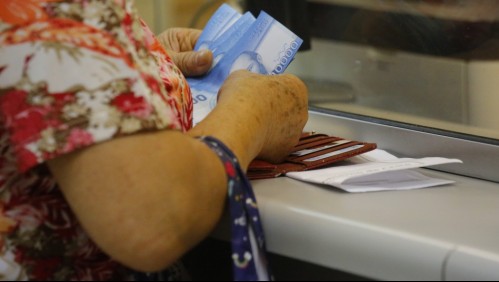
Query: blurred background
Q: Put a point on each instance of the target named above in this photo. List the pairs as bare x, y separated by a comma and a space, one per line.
162, 14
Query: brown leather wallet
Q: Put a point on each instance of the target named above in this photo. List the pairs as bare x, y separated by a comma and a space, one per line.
313, 151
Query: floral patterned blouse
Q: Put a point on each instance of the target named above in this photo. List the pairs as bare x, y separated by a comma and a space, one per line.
72, 73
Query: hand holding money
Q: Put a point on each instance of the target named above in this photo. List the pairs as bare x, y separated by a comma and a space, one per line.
240, 42
179, 42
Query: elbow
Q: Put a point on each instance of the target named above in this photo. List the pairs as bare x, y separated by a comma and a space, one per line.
150, 255
154, 248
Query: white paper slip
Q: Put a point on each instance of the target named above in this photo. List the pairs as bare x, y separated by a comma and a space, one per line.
392, 180
376, 171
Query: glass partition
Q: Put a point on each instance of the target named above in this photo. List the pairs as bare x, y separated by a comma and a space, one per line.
430, 63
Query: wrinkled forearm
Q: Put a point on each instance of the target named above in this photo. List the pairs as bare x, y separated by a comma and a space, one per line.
144, 199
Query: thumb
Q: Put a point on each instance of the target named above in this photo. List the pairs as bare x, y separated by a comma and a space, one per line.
193, 63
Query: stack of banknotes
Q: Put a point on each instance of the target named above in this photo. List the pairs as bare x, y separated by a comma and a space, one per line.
260, 45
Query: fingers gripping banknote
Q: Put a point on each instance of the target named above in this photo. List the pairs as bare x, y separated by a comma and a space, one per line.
238, 42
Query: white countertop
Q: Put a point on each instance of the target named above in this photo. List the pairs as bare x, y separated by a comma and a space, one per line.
424, 234
441, 233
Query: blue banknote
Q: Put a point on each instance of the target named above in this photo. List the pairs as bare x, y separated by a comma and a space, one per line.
222, 19
265, 47
225, 42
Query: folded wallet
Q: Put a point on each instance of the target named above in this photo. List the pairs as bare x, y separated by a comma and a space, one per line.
313, 151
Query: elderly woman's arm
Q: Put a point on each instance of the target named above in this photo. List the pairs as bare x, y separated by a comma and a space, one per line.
147, 199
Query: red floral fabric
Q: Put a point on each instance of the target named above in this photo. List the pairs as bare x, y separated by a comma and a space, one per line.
72, 74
